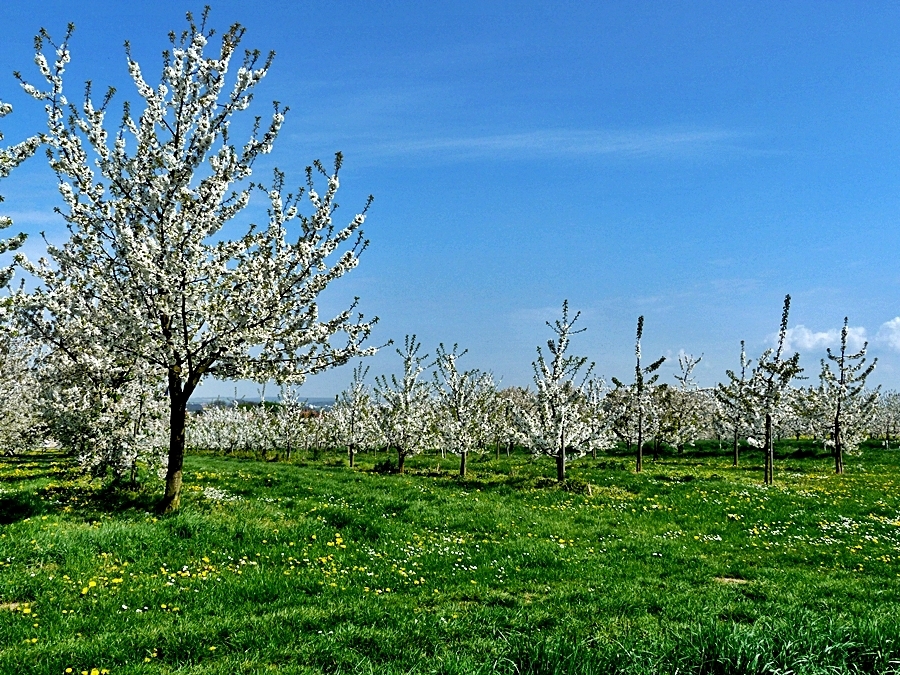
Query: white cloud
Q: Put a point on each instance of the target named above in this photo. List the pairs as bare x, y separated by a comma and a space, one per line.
802, 339
558, 143
889, 333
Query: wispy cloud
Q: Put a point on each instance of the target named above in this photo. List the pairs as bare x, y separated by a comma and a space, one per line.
32, 220
553, 143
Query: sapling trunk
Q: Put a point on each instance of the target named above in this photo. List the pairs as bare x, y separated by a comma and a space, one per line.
639, 460
770, 452
736, 449
838, 446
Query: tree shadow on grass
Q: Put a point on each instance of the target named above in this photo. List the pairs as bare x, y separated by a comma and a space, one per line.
34, 465
80, 500
89, 503
16, 508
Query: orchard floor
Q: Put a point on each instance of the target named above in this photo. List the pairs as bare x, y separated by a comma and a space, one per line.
312, 567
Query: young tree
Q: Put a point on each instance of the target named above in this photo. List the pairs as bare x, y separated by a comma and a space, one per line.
109, 417
596, 418
806, 414
639, 394
352, 413
150, 279
20, 419
462, 403
887, 417
845, 396
405, 413
771, 378
685, 405
555, 424
735, 402
287, 421
504, 420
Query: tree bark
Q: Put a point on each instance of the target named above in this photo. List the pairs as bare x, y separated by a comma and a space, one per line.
352, 452
401, 458
561, 465
639, 461
177, 419
462, 464
770, 452
838, 446
737, 449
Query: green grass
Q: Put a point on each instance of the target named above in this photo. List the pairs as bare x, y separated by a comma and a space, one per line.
691, 567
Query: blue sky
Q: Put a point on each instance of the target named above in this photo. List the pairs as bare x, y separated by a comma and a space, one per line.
691, 162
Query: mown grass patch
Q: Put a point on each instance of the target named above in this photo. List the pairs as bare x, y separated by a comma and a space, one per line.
692, 566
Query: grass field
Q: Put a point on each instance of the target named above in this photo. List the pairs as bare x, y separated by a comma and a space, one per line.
691, 567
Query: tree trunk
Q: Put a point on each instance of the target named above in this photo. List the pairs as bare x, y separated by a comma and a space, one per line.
177, 419
770, 452
462, 464
401, 458
352, 452
639, 461
737, 449
561, 465
838, 446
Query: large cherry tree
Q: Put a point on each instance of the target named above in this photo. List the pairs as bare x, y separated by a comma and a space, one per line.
164, 272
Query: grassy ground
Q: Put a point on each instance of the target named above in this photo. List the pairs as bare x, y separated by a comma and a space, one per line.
691, 567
